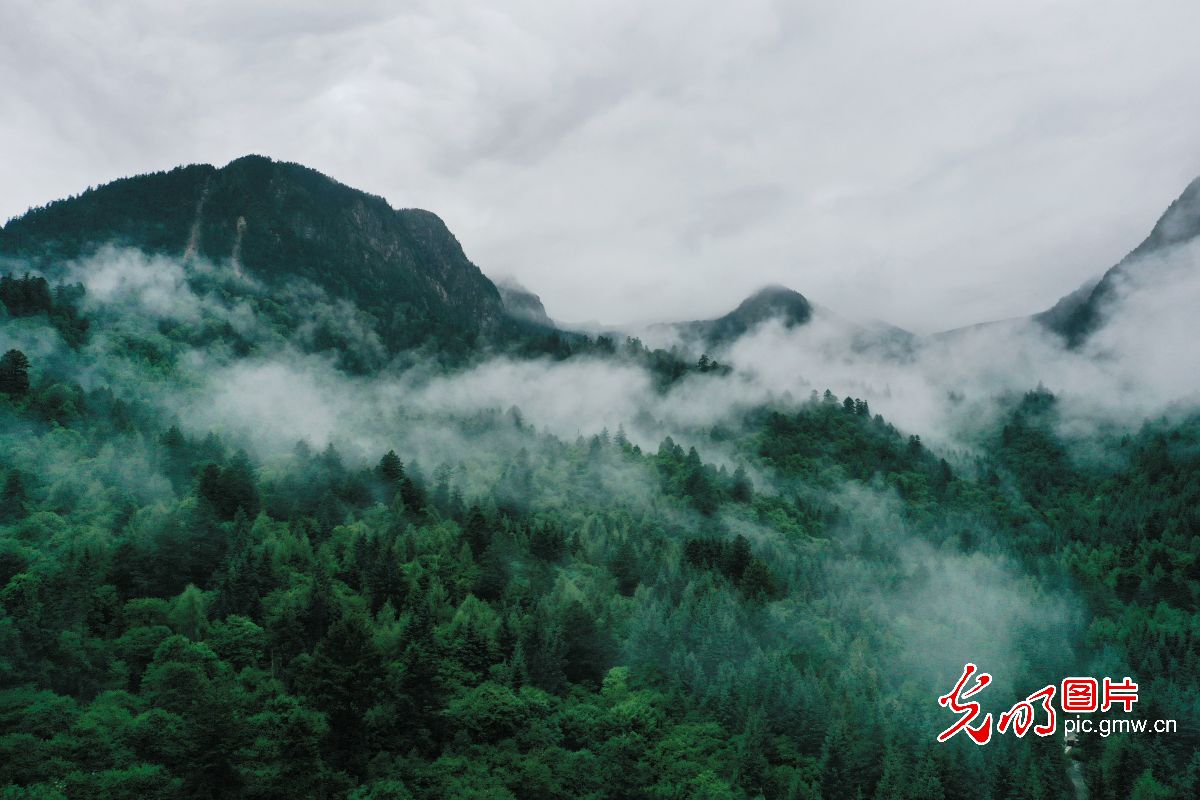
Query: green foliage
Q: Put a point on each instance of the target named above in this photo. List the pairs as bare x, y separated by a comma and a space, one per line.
560, 619
32, 296
14, 374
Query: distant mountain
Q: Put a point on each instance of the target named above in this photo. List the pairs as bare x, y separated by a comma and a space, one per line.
279, 221
772, 302
522, 304
1080, 313
792, 310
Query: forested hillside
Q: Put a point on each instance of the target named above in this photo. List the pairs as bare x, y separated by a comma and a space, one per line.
252, 545
281, 222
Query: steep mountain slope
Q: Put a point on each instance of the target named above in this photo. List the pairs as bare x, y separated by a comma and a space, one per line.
280, 221
522, 304
1080, 313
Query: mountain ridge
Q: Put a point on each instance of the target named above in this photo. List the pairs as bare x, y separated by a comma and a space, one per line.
772, 301
1080, 313
279, 220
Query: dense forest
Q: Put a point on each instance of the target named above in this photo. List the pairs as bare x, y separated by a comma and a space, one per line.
207, 596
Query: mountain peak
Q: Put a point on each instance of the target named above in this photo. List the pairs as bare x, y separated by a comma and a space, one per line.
774, 293
770, 302
251, 159
279, 221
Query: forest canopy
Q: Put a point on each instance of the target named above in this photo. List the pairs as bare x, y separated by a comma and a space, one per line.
265, 534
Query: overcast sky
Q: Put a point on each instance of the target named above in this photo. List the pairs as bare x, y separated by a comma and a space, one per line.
931, 164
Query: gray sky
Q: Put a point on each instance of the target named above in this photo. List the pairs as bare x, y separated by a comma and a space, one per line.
928, 163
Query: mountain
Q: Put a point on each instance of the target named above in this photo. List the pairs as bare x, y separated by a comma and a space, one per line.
793, 310
522, 304
280, 221
771, 302
1080, 313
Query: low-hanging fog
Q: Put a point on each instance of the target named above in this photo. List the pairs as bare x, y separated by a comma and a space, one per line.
948, 389
1140, 364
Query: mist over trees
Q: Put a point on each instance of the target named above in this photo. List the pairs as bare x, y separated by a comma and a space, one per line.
258, 540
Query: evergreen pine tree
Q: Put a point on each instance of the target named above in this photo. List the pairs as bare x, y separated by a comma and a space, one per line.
14, 373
